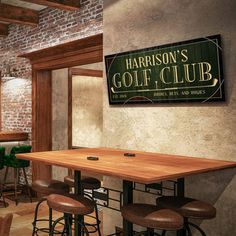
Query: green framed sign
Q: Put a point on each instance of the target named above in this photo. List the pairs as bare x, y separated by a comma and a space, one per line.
189, 71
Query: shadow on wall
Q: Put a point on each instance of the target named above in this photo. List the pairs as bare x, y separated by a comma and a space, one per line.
217, 188
110, 3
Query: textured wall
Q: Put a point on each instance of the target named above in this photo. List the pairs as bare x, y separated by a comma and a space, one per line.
87, 111
55, 27
59, 117
187, 129
16, 104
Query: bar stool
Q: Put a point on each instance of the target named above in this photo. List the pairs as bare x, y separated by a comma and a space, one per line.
5, 224
190, 209
70, 205
10, 160
86, 182
46, 187
89, 183
152, 217
2, 154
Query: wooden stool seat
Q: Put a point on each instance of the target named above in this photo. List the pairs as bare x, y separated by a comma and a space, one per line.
151, 216
86, 182
188, 207
71, 204
48, 187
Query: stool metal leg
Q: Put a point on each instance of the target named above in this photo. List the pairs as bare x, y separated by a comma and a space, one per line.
127, 198
15, 184
188, 230
50, 219
4, 184
66, 226
163, 233
97, 220
68, 221
198, 228
36, 216
2, 196
51, 233
150, 232
27, 184
5, 176
97, 224
78, 191
181, 193
186, 226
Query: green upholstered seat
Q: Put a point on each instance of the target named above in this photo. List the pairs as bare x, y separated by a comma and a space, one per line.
10, 160
2, 154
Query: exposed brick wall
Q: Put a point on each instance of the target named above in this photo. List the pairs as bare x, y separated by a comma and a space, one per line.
55, 27
16, 104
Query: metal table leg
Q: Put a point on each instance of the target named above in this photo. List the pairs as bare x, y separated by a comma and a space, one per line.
180, 193
78, 191
127, 198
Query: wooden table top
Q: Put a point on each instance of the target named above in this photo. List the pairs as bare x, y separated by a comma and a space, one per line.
145, 167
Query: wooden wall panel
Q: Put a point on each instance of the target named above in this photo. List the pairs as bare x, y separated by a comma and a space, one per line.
70, 74
73, 60
86, 72
0, 101
79, 52
42, 120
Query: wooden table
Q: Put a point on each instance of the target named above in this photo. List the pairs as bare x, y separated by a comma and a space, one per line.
144, 168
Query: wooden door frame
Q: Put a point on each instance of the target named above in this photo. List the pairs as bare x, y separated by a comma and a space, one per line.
79, 72
0, 100
79, 52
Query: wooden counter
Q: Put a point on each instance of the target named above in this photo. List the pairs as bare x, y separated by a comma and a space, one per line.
9, 136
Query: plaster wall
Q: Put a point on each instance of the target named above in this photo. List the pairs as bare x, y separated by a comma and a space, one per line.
87, 111
59, 117
87, 95
199, 130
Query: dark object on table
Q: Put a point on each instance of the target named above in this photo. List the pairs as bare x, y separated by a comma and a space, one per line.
91, 158
127, 154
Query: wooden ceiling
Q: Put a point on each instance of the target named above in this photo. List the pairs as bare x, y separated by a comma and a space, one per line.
26, 12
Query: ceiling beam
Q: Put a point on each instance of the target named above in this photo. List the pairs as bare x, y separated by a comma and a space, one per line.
61, 4
3, 29
18, 15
